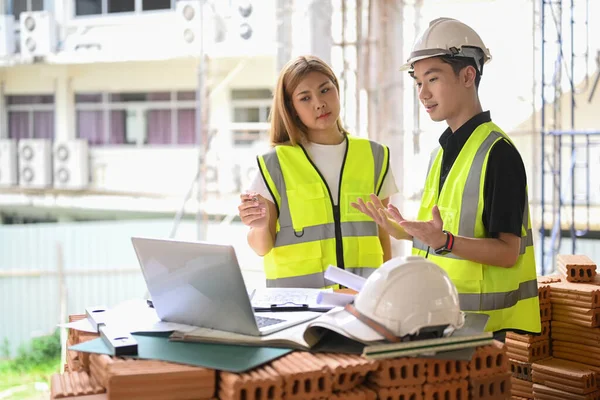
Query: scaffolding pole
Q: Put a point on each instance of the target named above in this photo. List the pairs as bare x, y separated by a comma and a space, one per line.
552, 133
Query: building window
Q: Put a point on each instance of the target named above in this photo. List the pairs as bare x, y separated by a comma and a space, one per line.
250, 106
30, 117
16, 7
96, 7
158, 118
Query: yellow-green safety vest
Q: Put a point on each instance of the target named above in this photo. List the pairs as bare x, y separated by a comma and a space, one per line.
312, 233
508, 295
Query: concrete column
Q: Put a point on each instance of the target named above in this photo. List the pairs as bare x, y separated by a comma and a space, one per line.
321, 41
284, 33
64, 106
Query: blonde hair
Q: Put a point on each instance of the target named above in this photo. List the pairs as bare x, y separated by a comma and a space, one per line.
285, 127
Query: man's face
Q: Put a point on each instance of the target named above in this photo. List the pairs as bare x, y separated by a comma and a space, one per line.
439, 88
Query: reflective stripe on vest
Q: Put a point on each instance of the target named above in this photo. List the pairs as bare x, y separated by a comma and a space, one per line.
467, 221
314, 280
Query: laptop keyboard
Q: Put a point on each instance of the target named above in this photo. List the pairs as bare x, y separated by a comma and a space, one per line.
265, 321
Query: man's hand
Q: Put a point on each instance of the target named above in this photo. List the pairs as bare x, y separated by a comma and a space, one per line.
428, 232
378, 212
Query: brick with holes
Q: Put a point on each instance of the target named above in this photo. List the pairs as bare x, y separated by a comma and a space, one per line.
527, 352
456, 389
532, 338
520, 369
492, 387
348, 370
360, 392
489, 360
521, 388
445, 370
543, 392
71, 384
584, 295
304, 376
151, 379
546, 312
405, 371
576, 315
564, 375
262, 383
414, 392
544, 293
576, 268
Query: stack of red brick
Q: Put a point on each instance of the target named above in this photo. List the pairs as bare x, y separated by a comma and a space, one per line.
574, 332
523, 350
485, 376
298, 375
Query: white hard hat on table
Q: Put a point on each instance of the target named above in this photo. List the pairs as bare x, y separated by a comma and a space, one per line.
448, 37
404, 295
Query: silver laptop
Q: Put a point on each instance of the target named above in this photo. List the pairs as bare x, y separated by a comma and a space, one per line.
201, 284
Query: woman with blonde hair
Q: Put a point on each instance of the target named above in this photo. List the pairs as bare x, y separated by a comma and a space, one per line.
298, 206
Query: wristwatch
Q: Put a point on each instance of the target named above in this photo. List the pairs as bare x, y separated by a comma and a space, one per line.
446, 248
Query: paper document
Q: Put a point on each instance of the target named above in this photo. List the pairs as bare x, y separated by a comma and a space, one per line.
132, 316
344, 278
267, 297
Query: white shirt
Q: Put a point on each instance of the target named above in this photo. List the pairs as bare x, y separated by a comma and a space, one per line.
328, 158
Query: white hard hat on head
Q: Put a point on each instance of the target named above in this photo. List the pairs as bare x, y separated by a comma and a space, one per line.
402, 297
449, 37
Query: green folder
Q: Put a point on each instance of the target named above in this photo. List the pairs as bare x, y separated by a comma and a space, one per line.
224, 357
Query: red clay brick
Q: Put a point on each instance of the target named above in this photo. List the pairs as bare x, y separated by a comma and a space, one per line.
72, 384
348, 370
457, 389
576, 352
304, 375
527, 352
358, 393
149, 379
398, 393
489, 360
576, 315
543, 392
585, 295
576, 268
405, 371
564, 375
491, 387
521, 388
544, 293
531, 338
520, 369
258, 384
546, 312
445, 370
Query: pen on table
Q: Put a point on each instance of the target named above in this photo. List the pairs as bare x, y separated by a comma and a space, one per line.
299, 307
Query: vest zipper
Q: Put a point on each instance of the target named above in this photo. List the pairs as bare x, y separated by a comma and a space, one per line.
339, 246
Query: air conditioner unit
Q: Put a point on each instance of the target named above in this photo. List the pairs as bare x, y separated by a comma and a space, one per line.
35, 163
38, 33
71, 164
7, 35
188, 23
8, 162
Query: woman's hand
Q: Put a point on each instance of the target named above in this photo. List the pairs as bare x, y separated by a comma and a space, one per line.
253, 210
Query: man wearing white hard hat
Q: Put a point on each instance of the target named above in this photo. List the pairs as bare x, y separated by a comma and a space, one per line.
474, 215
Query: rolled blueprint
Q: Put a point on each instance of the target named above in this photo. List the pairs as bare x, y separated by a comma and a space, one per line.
344, 278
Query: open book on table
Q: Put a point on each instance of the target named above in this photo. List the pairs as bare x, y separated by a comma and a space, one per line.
324, 333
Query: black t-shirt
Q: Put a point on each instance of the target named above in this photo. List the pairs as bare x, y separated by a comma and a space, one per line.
505, 178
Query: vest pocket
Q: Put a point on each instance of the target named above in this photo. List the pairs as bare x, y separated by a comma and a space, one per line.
298, 259
307, 205
370, 252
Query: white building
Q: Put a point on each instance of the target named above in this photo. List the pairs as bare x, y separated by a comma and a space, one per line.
108, 90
